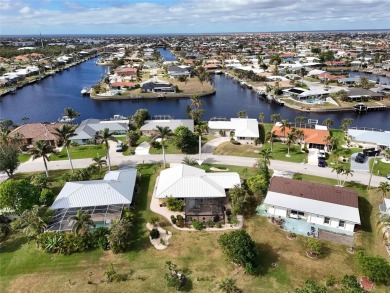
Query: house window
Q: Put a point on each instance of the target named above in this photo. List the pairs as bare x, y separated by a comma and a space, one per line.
327, 220
342, 224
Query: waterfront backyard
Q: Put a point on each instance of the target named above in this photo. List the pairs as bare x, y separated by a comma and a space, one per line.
284, 263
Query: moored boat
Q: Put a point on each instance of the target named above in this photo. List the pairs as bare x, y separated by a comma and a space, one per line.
65, 119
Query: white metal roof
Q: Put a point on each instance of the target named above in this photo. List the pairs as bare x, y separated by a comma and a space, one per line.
117, 187
184, 181
376, 137
172, 124
322, 208
242, 127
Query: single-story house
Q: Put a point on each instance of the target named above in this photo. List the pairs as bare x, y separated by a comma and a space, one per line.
314, 138
87, 129
304, 94
360, 94
239, 128
381, 139
33, 132
323, 206
349, 80
175, 71
150, 125
104, 199
204, 193
153, 87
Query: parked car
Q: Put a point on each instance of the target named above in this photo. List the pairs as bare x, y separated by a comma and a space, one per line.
388, 176
119, 146
321, 154
321, 162
360, 158
371, 152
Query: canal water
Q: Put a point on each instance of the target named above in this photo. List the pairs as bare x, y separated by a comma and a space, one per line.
46, 101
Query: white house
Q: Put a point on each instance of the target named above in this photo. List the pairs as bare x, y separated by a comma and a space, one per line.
104, 199
322, 206
245, 129
150, 125
367, 137
87, 129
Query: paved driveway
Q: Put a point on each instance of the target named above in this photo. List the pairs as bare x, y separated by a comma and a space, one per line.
360, 166
142, 149
211, 145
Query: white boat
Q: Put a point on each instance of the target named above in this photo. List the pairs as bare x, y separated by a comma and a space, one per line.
119, 117
65, 119
85, 91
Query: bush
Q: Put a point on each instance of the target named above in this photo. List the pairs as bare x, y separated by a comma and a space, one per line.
173, 219
330, 281
375, 267
100, 237
154, 220
180, 223
197, 225
314, 246
235, 142
175, 205
155, 144
154, 233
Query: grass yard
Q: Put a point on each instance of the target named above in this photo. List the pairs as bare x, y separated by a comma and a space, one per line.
24, 158
380, 168
243, 150
24, 269
80, 152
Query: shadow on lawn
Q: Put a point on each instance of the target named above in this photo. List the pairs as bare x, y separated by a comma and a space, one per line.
267, 257
12, 244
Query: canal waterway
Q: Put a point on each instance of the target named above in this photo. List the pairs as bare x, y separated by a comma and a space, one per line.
46, 101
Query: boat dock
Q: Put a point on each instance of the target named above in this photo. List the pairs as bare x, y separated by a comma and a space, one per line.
363, 108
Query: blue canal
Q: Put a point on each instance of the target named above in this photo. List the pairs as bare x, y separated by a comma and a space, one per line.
46, 101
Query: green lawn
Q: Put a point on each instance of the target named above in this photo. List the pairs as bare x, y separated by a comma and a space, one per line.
24, 158
380, 168
24, 269
80, 152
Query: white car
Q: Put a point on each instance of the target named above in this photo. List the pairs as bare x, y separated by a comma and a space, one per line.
119, 146
321, 154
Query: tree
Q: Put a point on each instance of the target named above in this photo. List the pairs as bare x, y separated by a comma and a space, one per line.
343, 95
133, 137
299, 134
185, 139
41, 149
328, 122
283, 126
189, 161
374, 267
65, 132
275, 117
384, 187
242, 114
9, 160
162, 133
383, 224
300, 120
351, 285
227, 285
345, 123
311, 286
40, 181
266, 156
302, 73
72, 114
33, 221
364, 82
291, 138
139, 117
314, 246
119, 236
238, 199
270, 136
196, 111
18, 195
261, 117
103, 136
240, 249
339, 169
347, 172
99, 162
82, 221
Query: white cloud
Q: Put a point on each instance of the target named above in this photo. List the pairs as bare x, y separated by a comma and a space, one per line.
25, 10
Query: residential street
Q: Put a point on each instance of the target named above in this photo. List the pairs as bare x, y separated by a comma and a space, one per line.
125, 161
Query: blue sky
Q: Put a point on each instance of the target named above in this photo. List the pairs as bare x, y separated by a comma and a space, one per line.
188, 16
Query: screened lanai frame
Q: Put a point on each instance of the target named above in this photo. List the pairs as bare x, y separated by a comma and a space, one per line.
101, 215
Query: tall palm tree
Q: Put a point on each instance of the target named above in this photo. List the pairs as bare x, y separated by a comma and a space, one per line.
300, 135
41, 149
65, 132
99, 162
339, 170
72, 114
291, 138
266, 156
345, 123
261, 117
302, 73
283, 126
300, 120
103, 136
162, 133
347, 172
275, 117
270, 136
32, 221
81, 222
384, 187
328, 122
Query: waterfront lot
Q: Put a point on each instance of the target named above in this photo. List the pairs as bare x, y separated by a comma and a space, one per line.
24, 269
79, 152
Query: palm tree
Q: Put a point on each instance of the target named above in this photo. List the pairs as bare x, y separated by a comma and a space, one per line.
32, 221
81, 222
275, 117
345, 123
384, 187
71, 113
346, 171
291, 138
300, 120
261, 117
383, 224
227, 285
238, 198
300, 135
162, 133
270, 136
65, 132
42, 149
99, 162
104, 136
302, 73
266, 156
284, 124
188, 161
328, 122
339, 170
25, 119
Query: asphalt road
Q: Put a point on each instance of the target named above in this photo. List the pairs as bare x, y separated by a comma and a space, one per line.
125, 161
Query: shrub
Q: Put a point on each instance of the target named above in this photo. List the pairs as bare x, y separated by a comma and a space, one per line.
375, 267
180, 223
100, 237
154, 234
330, 281
175, 204
112, 275
154, 220
179, 217
218, 225
173, 219
314, 246
197, 225
155, 144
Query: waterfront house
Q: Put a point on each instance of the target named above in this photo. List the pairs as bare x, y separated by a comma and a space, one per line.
370, 138
154, 87
322, 207
303, 94
204, 193
150, 125
244, 129
88, 128
127, 73
32, 132
313, 138
349, 81
175, 71
104, 199
360, 94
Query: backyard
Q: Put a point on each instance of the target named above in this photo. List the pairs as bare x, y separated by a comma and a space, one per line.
283, 262
80, 152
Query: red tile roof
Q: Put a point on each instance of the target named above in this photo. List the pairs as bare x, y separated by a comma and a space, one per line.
310, 135
316, 191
